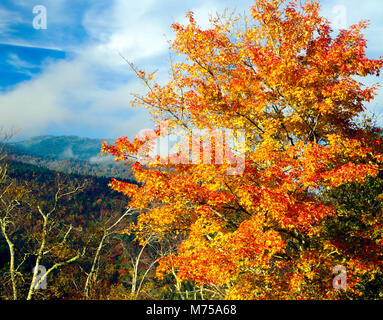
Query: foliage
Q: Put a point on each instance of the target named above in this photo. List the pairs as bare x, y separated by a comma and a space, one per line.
76, 224
307, 198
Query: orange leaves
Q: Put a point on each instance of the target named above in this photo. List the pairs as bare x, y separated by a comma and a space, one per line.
288, 212
288, 85
199, 258
254, 246
350, 172
125, 188
210, 256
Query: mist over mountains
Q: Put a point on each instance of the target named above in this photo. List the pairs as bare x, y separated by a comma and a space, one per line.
61, 147
68, 154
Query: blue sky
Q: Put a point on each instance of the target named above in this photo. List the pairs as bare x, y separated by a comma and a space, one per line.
70, 80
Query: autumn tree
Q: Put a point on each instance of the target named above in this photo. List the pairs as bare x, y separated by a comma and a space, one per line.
10, 197
108, 228
39, 240
53, 240
276, 227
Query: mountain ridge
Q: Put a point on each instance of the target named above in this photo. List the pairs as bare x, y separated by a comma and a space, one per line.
61, 147
68, 154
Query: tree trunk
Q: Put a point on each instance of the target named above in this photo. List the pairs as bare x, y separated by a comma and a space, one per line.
11, 261
39, 256
92, 271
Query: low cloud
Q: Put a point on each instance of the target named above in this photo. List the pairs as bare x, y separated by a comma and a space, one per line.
91, 90
102, 159
67, 153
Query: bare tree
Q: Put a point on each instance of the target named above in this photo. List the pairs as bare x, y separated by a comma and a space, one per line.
16, 203
108, 229
10, 196
62, 191
6, 221
144, 258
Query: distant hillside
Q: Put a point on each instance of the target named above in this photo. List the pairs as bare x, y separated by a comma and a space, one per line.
68, 154
86, 211
60, 147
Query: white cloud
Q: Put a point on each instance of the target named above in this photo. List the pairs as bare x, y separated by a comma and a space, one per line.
203, 13
15, 61
72, 94
7, 20
141, 29
69, 92
356, 11
125, 28
32, 105
57, 10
